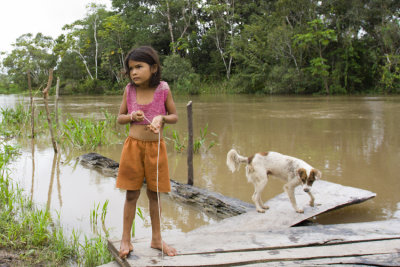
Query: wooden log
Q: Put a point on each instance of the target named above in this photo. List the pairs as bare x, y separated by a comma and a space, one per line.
208, 201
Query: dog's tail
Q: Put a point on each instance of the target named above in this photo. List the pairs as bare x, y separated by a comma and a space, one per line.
233, 160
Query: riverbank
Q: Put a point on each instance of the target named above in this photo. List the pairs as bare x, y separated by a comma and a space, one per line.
29, 235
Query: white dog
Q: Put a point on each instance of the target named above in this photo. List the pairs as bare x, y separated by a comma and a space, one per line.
261, 165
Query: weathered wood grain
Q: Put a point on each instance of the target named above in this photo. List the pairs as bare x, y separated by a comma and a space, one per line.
314, 252
328, 196
194, 243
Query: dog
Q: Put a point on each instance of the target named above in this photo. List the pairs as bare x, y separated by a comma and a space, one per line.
260, 166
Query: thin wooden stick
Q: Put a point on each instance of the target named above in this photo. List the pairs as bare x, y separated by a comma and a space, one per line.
57, 92
32, 106
190, 143
45, 96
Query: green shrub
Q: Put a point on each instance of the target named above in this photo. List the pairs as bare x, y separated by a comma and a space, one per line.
176, 68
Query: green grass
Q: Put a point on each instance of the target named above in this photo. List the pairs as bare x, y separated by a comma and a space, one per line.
34, 235
86, 133
199, 143
73, 133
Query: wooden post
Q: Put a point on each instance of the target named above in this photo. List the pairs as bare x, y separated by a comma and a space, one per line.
57, 92
190, 143
33, 166
32, 106
45, 96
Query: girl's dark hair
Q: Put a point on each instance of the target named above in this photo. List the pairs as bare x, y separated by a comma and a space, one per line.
148, 55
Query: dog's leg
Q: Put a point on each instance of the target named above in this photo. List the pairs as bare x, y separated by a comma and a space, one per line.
260, 181
289, 189
261, 187
257, 199
312, 199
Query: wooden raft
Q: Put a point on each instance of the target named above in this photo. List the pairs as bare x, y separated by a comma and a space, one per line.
372, 243
253, 238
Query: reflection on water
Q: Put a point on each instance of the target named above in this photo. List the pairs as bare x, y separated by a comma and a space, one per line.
354, 141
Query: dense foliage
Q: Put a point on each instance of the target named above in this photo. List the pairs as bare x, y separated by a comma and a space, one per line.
249, 46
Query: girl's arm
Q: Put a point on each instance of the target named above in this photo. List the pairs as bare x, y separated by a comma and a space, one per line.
172, 116
123, 117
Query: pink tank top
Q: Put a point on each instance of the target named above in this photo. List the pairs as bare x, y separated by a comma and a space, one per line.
156, 107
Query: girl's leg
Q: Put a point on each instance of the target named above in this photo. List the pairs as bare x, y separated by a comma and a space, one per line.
156, 241
129, 216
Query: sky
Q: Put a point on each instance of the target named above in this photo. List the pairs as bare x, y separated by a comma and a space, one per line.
18, 17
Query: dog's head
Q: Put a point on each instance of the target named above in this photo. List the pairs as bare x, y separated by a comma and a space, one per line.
308, 180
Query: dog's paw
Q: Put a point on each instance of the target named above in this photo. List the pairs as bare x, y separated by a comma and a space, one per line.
260, 210
300, 211
265, 207
312, 203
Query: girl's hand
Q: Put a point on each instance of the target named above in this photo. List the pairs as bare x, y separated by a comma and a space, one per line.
156, 124
137, 115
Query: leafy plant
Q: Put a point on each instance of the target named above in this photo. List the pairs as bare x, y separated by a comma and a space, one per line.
200, 142
140, 214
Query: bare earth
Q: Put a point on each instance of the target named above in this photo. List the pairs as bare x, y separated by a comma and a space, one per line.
9, 258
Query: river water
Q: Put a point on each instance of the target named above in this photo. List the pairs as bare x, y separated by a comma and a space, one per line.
354, 141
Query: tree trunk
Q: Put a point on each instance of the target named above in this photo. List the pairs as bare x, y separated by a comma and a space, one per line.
97, 44
46, 104
84, 62
170, 28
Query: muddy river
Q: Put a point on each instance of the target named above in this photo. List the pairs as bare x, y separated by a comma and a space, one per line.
354, 141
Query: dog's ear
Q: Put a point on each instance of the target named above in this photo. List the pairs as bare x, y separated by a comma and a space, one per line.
302, 173
316, 174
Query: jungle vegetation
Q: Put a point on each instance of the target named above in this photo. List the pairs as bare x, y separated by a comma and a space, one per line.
213, 46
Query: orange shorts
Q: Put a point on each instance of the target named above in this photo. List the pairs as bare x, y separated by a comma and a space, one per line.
139, 161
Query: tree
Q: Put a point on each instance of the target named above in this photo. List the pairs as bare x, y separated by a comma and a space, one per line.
30, 53
317, 38
114, 37
223, 28
81, 38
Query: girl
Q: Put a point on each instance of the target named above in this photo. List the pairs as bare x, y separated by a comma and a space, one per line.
147, 104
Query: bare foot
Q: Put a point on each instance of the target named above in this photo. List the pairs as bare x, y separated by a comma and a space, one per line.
170, 251
125, 249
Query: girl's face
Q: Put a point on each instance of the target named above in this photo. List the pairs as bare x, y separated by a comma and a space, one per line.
141, 72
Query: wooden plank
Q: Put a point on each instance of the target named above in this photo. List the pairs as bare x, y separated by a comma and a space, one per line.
208, 201
114, 251
328, 196
274, 255
392, 259
280, 238
254, 232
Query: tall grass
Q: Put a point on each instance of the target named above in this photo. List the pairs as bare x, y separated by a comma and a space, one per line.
32, 232
84, 133
74, 132
23, 226
198, 144
81, 133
